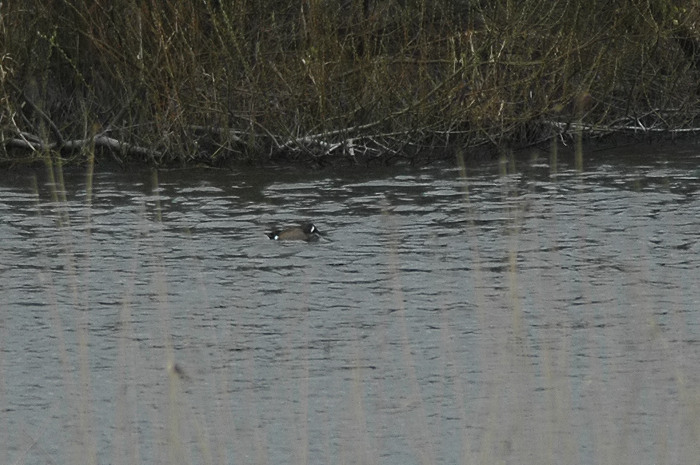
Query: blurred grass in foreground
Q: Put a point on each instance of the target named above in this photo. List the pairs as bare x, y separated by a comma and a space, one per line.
537, 413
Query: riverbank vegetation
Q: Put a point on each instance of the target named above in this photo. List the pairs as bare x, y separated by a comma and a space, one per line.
337, 81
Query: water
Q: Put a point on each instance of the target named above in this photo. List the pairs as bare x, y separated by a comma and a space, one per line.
515, 315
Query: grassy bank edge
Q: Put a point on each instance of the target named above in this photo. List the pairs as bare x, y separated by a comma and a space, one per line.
338, 82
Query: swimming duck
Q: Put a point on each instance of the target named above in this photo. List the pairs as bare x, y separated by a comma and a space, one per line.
306, 232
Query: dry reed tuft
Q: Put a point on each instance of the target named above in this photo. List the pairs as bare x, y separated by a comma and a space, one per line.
328, 81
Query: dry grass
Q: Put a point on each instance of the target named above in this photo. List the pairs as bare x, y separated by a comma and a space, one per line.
214, 82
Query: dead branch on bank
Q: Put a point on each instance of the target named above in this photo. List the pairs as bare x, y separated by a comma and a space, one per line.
33, 143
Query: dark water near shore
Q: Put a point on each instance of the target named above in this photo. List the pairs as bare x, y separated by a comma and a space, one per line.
522, 314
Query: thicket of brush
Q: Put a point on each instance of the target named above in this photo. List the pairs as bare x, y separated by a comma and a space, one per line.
326, 81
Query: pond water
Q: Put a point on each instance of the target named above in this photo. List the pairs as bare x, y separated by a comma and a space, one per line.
518, 311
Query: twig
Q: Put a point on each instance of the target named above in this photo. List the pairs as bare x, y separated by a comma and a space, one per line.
99, 141
52, 125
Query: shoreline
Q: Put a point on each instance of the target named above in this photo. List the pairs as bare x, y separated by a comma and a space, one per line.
338, 83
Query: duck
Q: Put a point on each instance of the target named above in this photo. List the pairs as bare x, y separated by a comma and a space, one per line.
306, 232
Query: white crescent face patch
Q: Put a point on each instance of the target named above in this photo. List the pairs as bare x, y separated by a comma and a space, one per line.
312, 230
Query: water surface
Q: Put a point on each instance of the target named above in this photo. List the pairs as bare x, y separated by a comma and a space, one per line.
516, 312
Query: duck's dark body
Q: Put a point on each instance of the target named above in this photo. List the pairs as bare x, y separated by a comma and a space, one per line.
306, 232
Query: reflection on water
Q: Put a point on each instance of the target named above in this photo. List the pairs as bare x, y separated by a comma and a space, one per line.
515, 315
